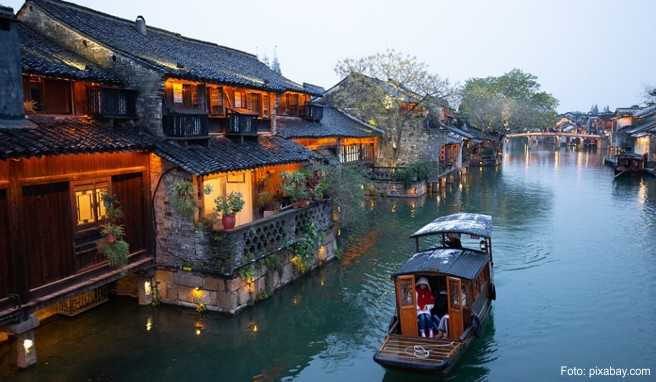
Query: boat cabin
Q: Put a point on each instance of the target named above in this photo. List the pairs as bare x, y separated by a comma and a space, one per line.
454, 257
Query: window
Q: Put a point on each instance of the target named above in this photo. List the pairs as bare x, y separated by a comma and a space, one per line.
266, 106
89, 207
177, 93
253, 102
47, 95
238, 100
216, 100
292, 104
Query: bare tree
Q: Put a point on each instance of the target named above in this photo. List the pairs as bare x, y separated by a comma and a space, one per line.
390, 90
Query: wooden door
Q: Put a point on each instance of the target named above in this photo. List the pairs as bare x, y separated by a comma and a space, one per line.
454, 292
4, 245
48, 225
129, 190
407, 304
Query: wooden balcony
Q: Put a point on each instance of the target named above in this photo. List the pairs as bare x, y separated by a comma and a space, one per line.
242, 124
231, 249
112, 103
185, 125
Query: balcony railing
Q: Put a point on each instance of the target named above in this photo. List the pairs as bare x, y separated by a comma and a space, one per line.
112, 103
185, 126
232, 249
241, 124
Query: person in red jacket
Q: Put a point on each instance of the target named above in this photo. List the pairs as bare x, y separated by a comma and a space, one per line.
425, 302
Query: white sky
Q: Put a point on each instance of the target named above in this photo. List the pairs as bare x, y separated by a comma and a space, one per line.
583, 51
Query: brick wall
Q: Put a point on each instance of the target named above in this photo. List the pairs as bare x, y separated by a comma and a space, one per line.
134, 74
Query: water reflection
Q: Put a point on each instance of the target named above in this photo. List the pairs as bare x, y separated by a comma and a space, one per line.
568, 240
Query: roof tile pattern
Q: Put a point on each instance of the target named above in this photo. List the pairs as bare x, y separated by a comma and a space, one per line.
172, 54
40, 55
221, 154
334, 123
68, 137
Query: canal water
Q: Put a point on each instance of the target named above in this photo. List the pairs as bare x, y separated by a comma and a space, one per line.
575, 257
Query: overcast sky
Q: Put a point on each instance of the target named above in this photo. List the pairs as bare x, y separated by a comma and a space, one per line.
584, 52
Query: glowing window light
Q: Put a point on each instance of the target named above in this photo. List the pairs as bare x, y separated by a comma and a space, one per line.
148, 289
28, 345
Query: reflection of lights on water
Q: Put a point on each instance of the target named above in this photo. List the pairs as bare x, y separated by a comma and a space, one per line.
439, 199
394, 207
460, 186
198, 328
149, 324
295, 300
253, 327
642, 192
556, 159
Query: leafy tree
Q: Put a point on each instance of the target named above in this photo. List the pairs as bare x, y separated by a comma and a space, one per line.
391, 90
511, 102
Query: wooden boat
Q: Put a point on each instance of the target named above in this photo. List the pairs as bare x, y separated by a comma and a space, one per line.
464, 277
626, 163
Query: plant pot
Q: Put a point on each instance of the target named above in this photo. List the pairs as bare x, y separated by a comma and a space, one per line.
228, 221
267, 213
304, 203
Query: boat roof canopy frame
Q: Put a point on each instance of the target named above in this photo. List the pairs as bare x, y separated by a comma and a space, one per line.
467, 223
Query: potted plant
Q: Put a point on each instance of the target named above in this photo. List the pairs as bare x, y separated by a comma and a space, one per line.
267, 203
229, 206
112, 245
294, 186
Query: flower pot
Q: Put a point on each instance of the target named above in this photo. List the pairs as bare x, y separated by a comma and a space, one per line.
267, 213
304, 203
228, 221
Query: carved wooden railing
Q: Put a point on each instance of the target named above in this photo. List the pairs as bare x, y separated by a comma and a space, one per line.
231, 249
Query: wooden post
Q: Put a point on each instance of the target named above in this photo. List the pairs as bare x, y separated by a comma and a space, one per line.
14, 212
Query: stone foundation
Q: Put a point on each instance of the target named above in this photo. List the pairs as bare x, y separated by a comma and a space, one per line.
394, 189
231, 294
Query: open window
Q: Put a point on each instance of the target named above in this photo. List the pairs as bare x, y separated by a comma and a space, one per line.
47, 95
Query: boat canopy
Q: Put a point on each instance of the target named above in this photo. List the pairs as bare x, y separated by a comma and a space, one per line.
468, 223
462, 263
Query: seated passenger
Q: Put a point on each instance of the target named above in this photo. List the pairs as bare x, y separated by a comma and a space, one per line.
439, 316
425, 301
453, 240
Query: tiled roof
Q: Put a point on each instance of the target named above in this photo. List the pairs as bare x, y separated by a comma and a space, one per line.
221, 154
40, 55
314, 90
334, 123
170, 53
69, 136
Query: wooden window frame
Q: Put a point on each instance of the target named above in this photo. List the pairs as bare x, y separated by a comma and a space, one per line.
92, 185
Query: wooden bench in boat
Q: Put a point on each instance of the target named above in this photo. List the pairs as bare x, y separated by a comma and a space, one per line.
417, 352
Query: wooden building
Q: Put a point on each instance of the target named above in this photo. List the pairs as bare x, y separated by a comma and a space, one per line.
211, 113
78, 141
336, 135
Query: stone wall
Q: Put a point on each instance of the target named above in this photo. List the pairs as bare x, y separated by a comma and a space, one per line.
11, 85
178, 241
134, 74
418, 144
231, 294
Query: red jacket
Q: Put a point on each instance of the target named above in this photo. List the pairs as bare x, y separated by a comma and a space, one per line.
424, 297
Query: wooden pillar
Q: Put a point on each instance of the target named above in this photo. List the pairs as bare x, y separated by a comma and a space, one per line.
18, 283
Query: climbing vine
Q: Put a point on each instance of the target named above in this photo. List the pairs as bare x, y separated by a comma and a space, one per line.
305, 249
